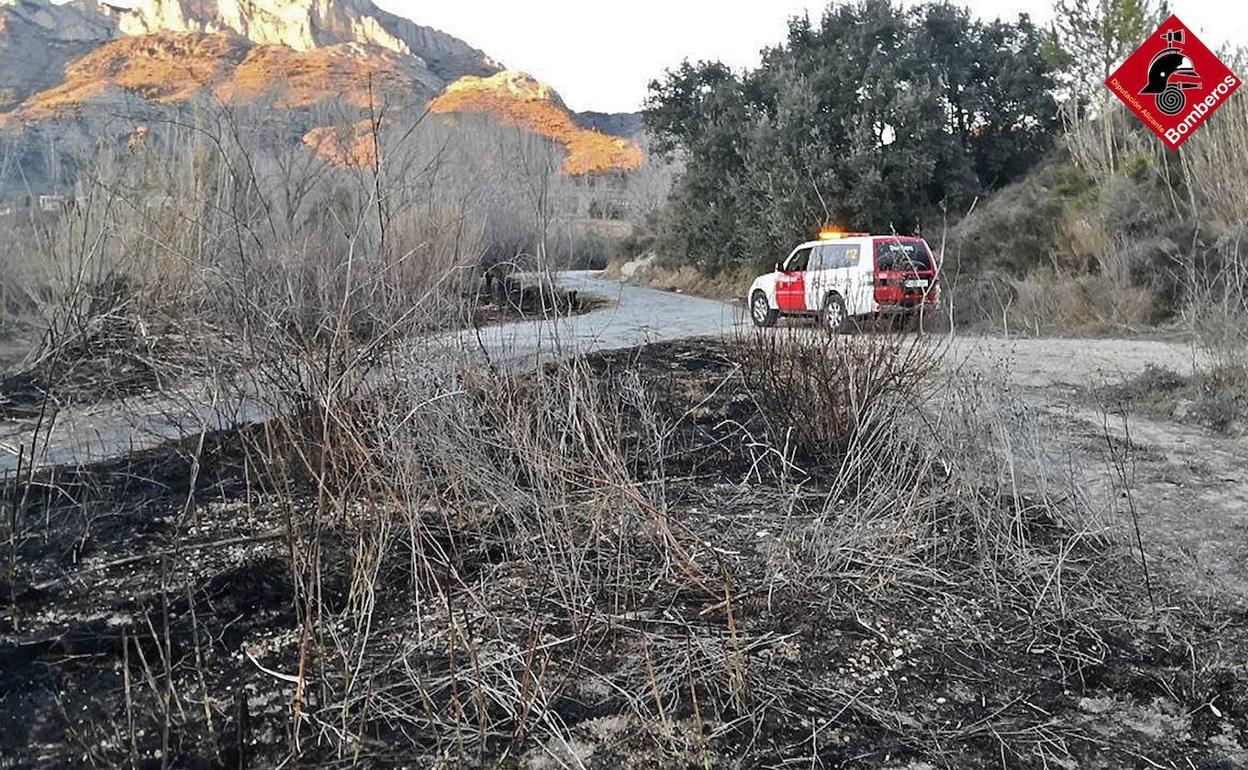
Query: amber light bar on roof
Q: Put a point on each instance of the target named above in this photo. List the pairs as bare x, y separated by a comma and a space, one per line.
828, 234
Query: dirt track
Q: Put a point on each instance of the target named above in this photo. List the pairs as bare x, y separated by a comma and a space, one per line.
636, 316
1188, 485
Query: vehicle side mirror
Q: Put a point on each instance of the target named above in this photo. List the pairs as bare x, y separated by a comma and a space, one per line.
777, 267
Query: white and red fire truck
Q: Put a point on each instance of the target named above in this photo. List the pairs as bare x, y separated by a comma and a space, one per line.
843, 276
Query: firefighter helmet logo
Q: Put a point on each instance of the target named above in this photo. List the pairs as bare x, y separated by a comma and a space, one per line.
1170, 74
1173, 82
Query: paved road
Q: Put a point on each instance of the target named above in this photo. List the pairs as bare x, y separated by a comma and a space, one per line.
634, 316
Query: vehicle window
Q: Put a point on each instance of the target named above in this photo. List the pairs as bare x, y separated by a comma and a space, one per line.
840, 255
902, 255
798, 261
818, 259
849, 254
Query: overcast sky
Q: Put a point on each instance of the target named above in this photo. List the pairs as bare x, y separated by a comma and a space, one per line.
601, 55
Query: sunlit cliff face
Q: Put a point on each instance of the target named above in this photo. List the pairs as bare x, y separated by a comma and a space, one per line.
59, 62
520, 100
169, 68
302, 25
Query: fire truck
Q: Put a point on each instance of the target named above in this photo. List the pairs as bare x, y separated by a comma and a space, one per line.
846, 276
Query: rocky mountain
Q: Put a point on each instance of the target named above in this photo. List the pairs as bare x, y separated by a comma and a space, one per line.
62, 61
518, 99
304, 25
40, 39
171, 68
627, 124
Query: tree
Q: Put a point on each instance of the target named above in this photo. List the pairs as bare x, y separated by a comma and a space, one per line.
871, 119
1089, 38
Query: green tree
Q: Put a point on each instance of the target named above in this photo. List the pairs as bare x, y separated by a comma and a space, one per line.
1089, 38
701, 111
871, 119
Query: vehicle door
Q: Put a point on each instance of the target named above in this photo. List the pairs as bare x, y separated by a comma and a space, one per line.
833, 277
791, 283
857, 277
818, 270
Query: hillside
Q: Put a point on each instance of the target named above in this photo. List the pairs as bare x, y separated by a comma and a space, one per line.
63, 66
39, 39
518, 99
168, 68
628, 124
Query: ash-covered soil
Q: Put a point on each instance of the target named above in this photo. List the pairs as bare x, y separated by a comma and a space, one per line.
156, 613
121, 355
119, 358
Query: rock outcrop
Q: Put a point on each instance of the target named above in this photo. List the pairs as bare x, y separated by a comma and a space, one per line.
304, 25
170, 68
64, 65
519, 99
40, 39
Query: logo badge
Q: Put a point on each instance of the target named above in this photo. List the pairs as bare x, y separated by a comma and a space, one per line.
1173, 82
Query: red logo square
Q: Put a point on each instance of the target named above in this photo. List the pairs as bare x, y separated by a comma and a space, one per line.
1173, 82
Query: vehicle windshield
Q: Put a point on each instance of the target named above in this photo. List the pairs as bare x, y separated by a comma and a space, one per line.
902, 255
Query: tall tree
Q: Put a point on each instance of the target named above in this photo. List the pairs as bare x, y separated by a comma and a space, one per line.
870, 120
1089, 38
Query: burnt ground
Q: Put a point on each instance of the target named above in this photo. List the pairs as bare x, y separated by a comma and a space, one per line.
150, 619
123, 356
120, 357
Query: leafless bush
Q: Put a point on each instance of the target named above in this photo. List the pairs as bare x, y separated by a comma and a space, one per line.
219, 240
483, 560
503, 507
1045, 301
1215, 164
820, 390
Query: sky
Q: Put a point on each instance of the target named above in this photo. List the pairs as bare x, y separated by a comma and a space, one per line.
601, 55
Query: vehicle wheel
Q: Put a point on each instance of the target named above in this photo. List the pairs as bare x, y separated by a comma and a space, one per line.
833, 317
761, 311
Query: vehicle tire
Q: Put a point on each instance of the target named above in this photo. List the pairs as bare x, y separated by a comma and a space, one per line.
761, 312
833, 317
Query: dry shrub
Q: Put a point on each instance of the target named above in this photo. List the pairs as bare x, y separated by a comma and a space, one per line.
1214, 396
1046, 301
1215, 160
468, 542
483, 562
926, 473
1215, 166
17, 291
686, 279
486, 547
478, 551
231, 244
820, 390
